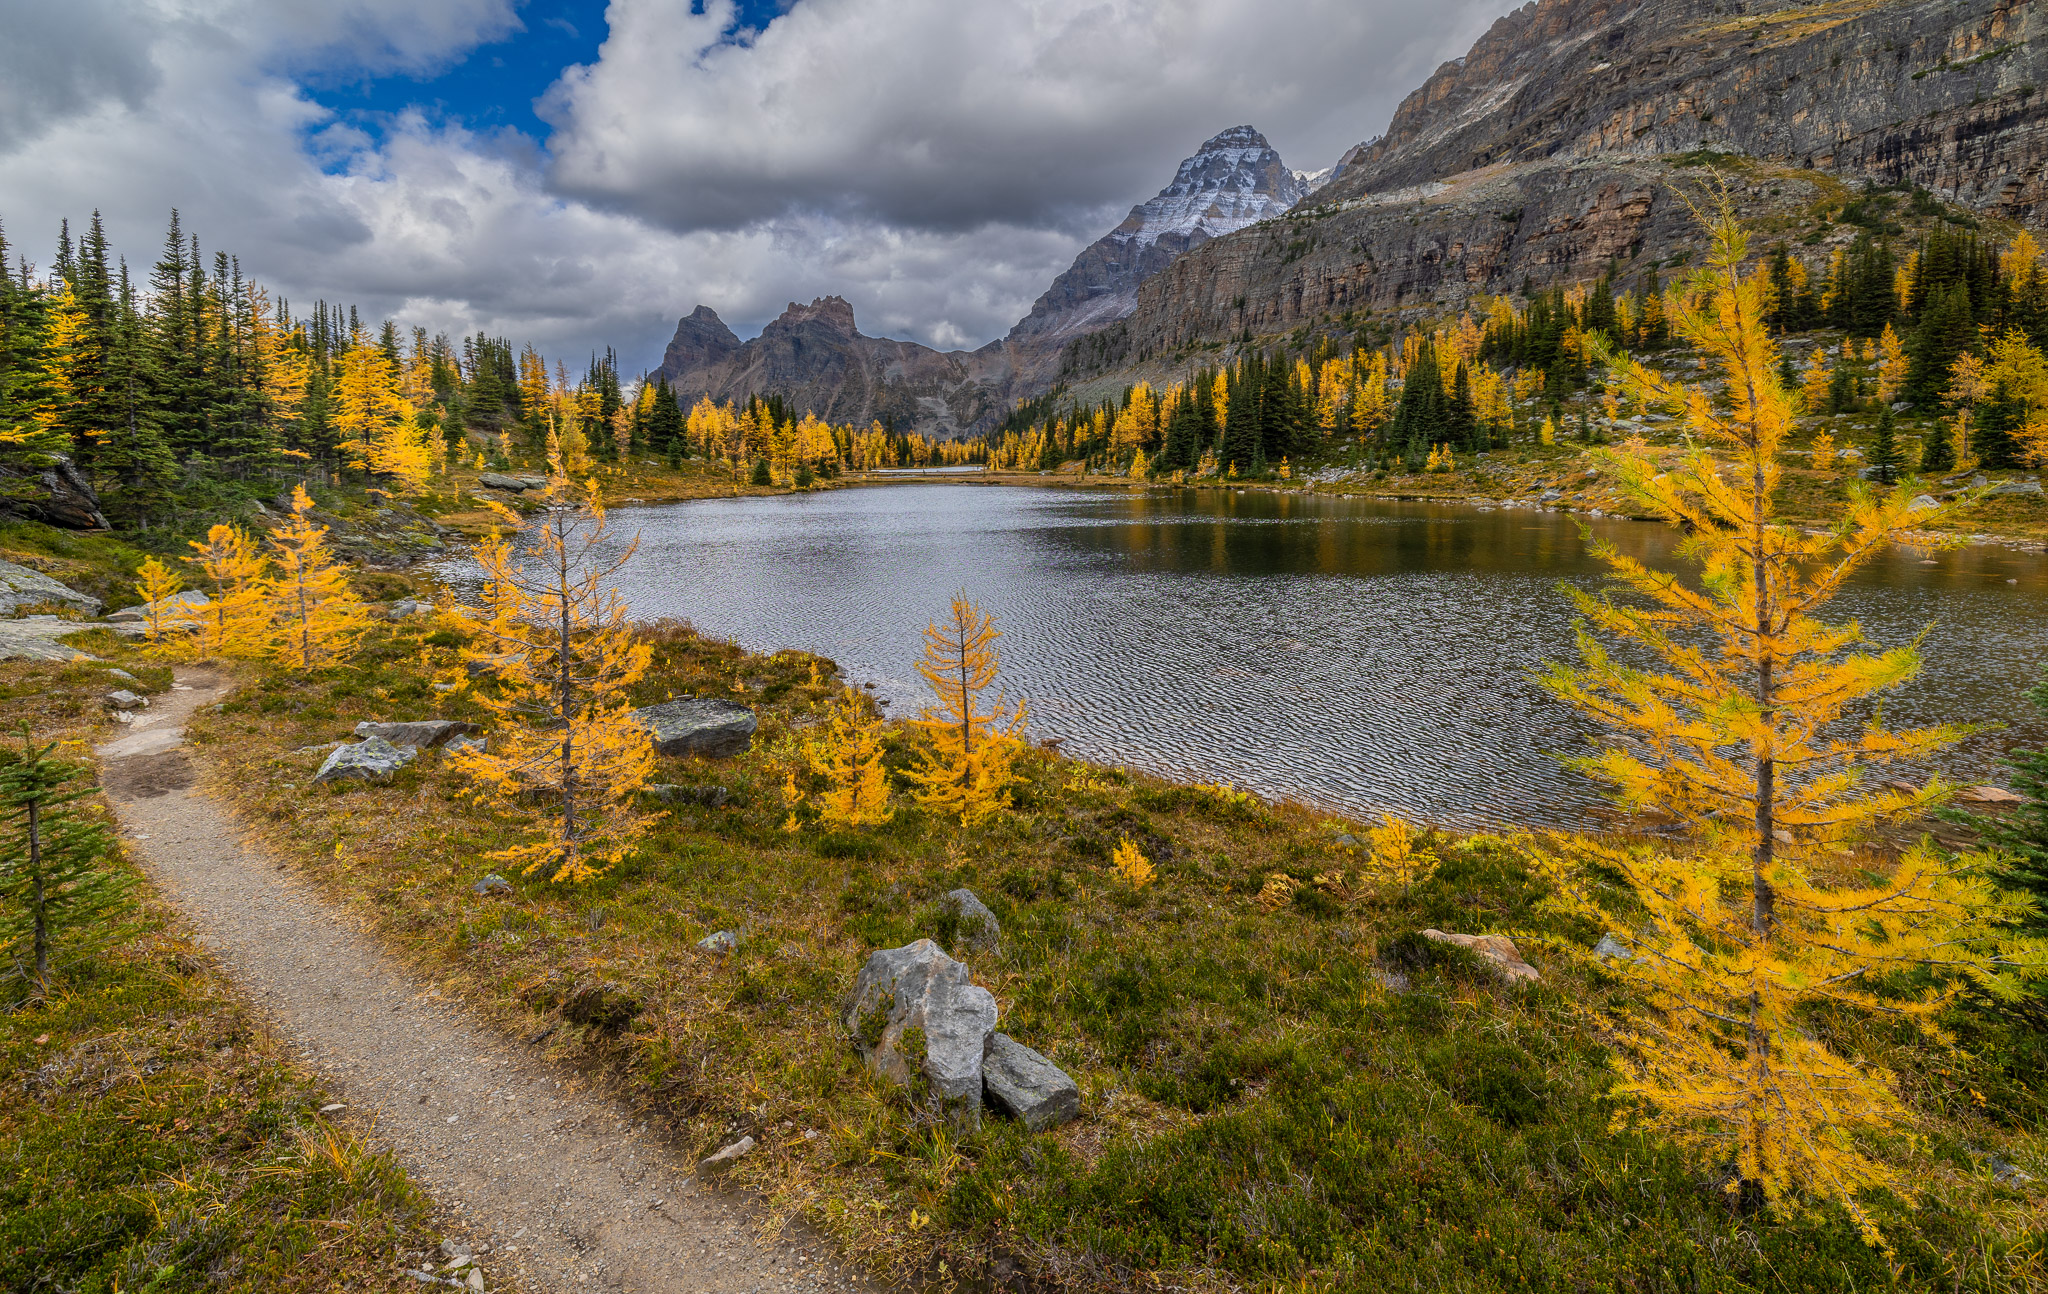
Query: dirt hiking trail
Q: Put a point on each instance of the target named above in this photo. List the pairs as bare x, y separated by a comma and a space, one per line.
555, 1188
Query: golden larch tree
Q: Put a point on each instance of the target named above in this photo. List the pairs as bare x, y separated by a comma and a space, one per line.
968, 767
847, 754
1749, 734
568, 754
236, 621
158, 585
315, 618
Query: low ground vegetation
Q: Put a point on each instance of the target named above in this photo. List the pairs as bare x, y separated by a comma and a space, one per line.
1260, 1108
154, 1135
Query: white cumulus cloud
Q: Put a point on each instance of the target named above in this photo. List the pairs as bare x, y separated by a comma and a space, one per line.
936, 162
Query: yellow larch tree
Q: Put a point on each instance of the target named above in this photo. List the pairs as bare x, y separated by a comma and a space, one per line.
315, 618
377, 427
847, 754
968, 767
567, 755
235, 623
1748, 734
158, 585
1968, 387
1892, 364
1813, 388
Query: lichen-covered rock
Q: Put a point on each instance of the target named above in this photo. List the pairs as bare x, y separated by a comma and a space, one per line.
978, 926
499, 481
703, 726
1497, 949
1025, 1085
370, 761
914, 1010
420, 734
22, 587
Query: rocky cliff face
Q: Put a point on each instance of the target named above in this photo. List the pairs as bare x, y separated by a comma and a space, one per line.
1939, 93
816, 358
1234, 180
1558, 146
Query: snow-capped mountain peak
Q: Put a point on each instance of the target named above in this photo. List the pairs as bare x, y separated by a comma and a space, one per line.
1233, 180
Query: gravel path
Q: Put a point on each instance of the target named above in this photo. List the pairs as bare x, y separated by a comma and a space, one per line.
555, 1188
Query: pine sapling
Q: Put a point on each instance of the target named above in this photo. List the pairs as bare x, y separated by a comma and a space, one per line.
53, 881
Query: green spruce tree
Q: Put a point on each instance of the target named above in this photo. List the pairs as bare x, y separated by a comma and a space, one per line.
55, 886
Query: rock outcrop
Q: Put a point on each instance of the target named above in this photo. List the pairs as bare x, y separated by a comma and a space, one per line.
1938, 93
1233, 181
22, 587
703, 726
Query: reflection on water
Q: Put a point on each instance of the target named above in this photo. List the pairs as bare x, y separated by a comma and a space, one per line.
1361, 655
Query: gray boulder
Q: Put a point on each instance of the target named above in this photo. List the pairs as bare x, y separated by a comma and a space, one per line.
22, 587
420, 734
720, 941
1923, 503
371, 761
979, 928
917, 987
499, 481
2015, 487
1026, 1086
125, 700
177, 607
406, 608
533, 482
699, 726
457, 744
1610, 946
492, 883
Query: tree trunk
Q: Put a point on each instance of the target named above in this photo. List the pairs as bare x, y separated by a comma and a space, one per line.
41, 900
1763, 899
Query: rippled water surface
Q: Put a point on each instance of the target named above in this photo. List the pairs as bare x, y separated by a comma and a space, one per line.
1361, 655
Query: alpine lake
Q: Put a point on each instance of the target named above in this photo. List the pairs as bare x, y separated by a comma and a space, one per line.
1360, 655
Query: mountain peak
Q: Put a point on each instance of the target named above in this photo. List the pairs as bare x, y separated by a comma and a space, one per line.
1235, 179
1235, 137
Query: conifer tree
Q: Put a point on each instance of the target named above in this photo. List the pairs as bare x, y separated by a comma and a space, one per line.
235, 622
53, 879
847, 753
967, 769
1886, 464
315, 618
568, 757
1736, 938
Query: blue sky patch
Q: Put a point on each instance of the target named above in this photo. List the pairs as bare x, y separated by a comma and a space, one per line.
495, 87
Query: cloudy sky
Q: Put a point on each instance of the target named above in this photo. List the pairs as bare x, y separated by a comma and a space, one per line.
579, 174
